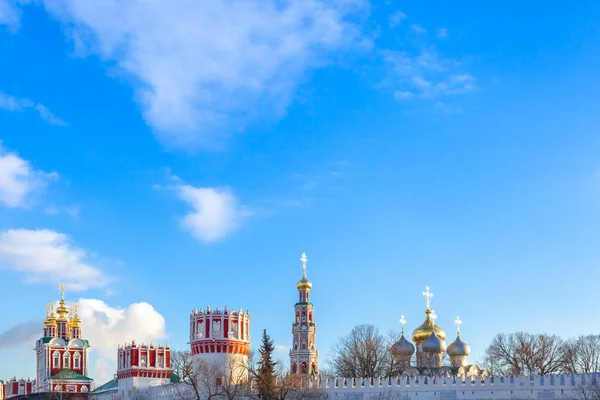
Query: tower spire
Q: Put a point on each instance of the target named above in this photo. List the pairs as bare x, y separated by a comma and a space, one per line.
304, 261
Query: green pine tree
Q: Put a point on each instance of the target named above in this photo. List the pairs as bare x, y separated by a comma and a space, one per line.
266, 369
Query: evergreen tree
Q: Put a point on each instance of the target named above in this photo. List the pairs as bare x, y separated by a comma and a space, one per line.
266, 369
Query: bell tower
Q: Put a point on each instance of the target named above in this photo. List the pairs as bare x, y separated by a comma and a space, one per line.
304, 356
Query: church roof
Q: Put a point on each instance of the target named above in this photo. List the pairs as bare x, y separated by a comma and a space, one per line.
107, 387
70, 375
175, 378
47, 339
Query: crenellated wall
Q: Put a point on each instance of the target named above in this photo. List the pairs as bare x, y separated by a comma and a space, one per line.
423, 388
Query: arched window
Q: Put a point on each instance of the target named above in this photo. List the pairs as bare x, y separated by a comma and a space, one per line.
304, 368
66, 360
84, 389
76, 361
160, 361
294, 368
58, 388
303, 345
56, 359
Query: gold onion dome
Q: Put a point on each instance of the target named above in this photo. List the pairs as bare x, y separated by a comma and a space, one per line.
50, 320
458, 348
304, 284
434, 344
62, 310
425, 330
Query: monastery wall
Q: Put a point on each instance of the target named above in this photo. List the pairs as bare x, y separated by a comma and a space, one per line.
557, 387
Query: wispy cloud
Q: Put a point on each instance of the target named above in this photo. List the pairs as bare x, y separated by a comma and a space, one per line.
396, 18
48, 256
24, 333
11, 103
425, 75
19, 180
442, 33
418, 29
209, 68
9, 14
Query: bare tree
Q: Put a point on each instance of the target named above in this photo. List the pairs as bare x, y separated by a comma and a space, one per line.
203, 380
584, 354
588, 391
285, 386
364, 353
508, 354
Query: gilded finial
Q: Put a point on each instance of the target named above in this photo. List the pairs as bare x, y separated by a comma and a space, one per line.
304, 261
62, 287
403, 322
458, 322
428, 295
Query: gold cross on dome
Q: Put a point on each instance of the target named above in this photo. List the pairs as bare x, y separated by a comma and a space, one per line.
304, 261
62, 287
433, 316
457, 321
403, 322
50, 308
428, 295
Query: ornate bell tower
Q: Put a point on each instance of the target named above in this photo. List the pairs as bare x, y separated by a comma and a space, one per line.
304, 356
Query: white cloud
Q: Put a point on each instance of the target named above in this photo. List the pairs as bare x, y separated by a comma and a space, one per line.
11, 103
216, 212
107, 327
210, 67
48, 256
19, 180
396, 18
442, 33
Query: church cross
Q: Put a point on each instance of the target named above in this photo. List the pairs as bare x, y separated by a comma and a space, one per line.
457, 321
403, 322
304, 261
433, 316
62, 287
50, 308
428, 295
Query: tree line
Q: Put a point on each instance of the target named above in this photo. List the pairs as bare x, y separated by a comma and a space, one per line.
365, 352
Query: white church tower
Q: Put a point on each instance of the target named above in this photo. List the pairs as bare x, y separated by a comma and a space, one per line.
304, 356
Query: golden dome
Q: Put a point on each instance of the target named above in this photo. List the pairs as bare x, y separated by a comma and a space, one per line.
424, 330
62, 310
304, 284
50, 320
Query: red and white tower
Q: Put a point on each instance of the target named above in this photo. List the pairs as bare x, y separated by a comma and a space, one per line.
304, 356
62, 354
222, 338
142, 366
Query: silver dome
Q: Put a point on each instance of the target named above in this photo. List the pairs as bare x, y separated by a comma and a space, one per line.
403, 347
433, 344
458, 348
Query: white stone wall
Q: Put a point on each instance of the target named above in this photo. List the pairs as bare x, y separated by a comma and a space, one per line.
557, 387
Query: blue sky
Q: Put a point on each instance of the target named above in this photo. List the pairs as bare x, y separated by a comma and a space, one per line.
160, 157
